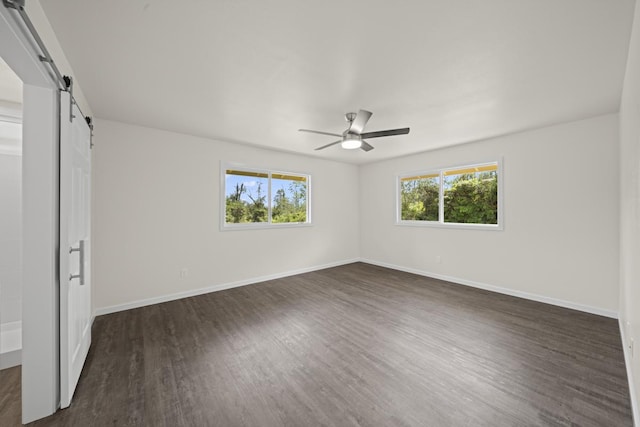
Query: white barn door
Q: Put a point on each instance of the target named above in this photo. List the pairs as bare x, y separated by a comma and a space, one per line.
75, 254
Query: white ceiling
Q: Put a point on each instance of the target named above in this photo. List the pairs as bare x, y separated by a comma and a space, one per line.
255, 71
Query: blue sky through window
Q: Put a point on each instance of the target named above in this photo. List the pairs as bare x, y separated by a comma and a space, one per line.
251, 186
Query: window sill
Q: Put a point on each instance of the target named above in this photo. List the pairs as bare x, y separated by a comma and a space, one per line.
434, 224
265, 226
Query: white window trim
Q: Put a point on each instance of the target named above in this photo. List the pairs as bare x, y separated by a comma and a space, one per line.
224, 166
440, 223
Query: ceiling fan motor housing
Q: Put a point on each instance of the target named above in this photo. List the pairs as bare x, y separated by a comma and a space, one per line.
350, 117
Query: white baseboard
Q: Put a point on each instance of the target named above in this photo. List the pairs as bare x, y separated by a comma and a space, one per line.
632, 389
10, 359
221, 287
498, 289
10, 344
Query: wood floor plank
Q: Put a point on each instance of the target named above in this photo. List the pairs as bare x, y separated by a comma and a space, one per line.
10, 403
356, 345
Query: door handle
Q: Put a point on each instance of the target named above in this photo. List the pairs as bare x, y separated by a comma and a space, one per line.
80, 250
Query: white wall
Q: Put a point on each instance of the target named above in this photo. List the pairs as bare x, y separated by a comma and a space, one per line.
156, 210
560, 239
10, 236
630, 207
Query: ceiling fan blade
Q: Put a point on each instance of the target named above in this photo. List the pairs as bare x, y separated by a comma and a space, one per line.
328, 145
366, 147
320, 132
360, 121
389, 132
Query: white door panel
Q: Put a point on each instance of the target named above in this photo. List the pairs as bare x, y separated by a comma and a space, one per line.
75, 254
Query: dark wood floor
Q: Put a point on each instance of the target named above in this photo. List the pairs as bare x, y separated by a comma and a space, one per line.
10, 403
352, 345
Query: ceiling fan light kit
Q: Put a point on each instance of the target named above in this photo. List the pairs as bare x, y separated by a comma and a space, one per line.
352, 141
352, 138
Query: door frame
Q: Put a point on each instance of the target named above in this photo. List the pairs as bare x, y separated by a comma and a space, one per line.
40, 222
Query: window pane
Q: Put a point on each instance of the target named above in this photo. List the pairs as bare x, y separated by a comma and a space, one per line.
246, 197
420, 198
289, 202
471, 195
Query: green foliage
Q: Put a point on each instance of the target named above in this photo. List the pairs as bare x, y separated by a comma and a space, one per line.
285, 209
236, 208
472, 199
241, 211
419, 199
257, 210
290, 209
468, 199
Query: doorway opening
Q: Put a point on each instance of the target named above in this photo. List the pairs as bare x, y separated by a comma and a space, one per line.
10, 242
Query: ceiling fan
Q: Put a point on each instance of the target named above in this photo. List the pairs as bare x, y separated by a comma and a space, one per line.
353, 137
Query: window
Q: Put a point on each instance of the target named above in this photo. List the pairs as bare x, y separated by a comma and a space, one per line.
462, 196
289, 198
420, 197
264, 198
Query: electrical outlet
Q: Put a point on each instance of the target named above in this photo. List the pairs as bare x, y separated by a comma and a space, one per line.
184, 273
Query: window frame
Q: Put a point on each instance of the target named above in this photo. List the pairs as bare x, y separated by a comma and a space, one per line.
440, 223
224, 226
